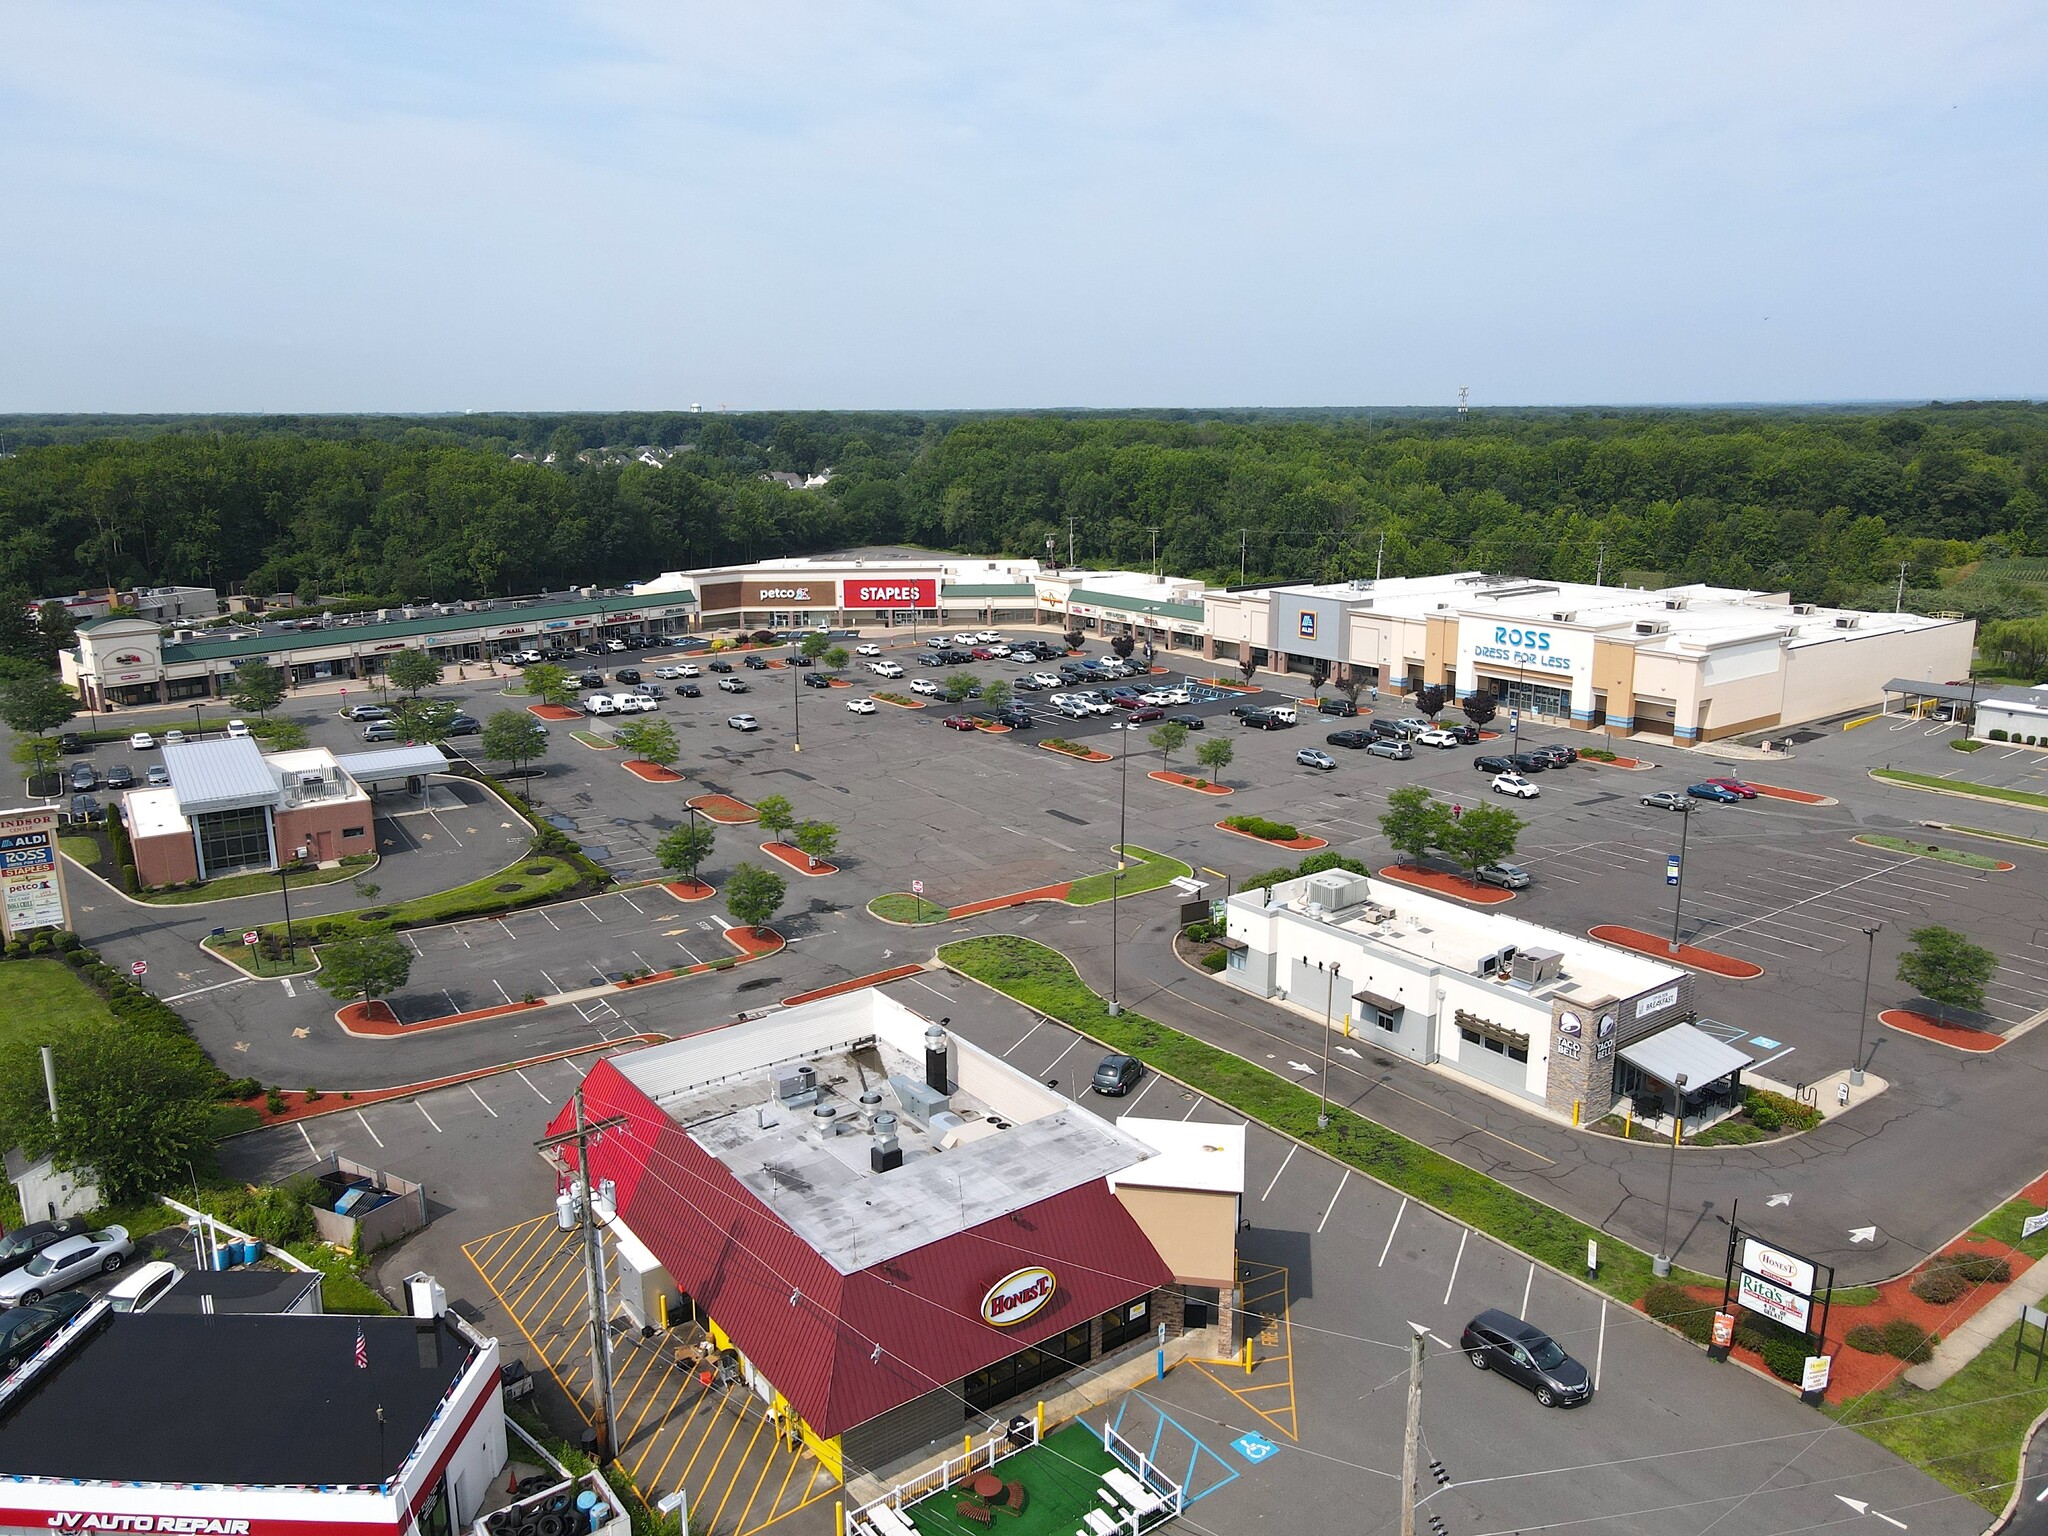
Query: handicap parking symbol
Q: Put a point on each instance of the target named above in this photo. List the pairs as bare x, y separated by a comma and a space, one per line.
1254, 1447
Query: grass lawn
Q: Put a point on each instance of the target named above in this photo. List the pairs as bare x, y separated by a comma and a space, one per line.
341, 1288
1966, 1432
899, 908
1041, 978
2004, 1225
536, 877
37, 995
1960, 787
2003, 837
1153, 871
233, 1119
255, 883
80, 850
234, 950
1928, 850
1059, 1478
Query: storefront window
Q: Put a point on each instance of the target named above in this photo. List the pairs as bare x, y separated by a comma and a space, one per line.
232, 840
437, 1519
1520, 693
1122, 1324
1029, 1368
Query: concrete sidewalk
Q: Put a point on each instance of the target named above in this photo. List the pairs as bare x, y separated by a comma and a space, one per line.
1977, 1333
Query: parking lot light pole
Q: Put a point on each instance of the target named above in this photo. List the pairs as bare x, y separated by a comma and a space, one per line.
1678, 900
284, 884
1660, 1266
1862, 1018
797, 687
1331, 971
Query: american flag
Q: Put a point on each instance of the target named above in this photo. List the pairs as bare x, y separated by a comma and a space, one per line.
362, 1350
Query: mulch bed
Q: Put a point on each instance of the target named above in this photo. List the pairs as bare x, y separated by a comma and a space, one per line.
376, 1017
554, 712
1295, 844
1184, 781
797, 860
684, 890
1773, 792
1690, 955
992, 727
723, 809
876, 979
1090, 756
1959, 1036
1443, 883
1631, 763
653, 773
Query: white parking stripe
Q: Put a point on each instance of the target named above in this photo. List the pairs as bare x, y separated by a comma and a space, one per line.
1462, 1236
1403, 1211
529, 1083
1296, 1147
366, 1126
1333, 1201
423, 1110
480, 1099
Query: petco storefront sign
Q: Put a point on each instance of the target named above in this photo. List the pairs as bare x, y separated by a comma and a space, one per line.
917, 592
1017, 1296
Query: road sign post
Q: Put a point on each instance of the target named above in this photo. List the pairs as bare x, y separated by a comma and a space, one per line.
138, 968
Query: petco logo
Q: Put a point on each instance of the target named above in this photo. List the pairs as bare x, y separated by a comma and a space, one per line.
786, 594
179, 1525
1017, 1296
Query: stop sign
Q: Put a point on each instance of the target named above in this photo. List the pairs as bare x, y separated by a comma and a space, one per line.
249, 938
917, 887
138, 968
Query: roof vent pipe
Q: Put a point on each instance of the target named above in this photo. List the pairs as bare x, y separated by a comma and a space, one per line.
935, 1058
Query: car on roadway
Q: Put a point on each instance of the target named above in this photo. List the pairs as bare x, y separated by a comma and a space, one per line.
71, 741
1399, 751
1191, 722
870, 649
988, 637
1015, 718
665, 673
938, 642
157, 777
720, 666
958, 722
67, 1259
860, 706
1145, 714
689, 691
1117, 1075
1736, 787
925, 686
1354, 739
743, 722
463, 725
120, 776
1438, 739
1028, 684
30, 1239
817, 680
965, 637
1527, 1356
1714, 792
141, 741
1315, 757
84, 778
1666, 800
1508, 876
1513, 784
615, 645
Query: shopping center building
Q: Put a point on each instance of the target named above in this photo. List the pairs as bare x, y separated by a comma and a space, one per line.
895, 1234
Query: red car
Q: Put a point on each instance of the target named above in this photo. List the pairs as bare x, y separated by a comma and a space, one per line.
982, 653
1735, 787
1127, 701
1148, 713
958, 723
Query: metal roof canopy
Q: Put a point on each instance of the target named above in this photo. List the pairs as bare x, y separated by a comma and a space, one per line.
1948, 693
392, 763
1682, 1048
222, 775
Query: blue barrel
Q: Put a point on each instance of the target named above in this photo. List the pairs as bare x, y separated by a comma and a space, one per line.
586, 1499
224, 1256
251, 1252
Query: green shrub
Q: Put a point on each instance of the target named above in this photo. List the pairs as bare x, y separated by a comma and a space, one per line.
1867, 1337
1329, 858
1940, 1285
1967, 746
276, 1213
1951, 1279
1908, 1341
1769, 1111
1214, 960
1981, 1268
1786, 1358
240, 1088
273, 1100
1997, 733
1675, 1307
1259, 826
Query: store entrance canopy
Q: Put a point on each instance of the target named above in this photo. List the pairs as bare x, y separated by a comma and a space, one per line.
1682, 1048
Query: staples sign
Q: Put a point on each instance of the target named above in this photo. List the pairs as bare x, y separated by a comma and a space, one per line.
919, 592
1017, 1296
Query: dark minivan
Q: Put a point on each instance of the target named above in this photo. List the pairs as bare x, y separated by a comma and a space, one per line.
1117, 1075
1342, 707
1525, 1354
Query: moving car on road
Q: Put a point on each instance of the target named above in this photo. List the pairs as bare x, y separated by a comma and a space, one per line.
1315, 757
1493, 764
720, 666
1342, 707
1527, 1356
743, 722
1556, 753
860, 706
66, 1260
817, 680
1192, 722
1665, 800
1515, 785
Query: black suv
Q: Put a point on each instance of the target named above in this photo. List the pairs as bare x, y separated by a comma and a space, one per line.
1524, 1353
756, 663
1468, 734
1556, 753
71, 741
720, 666
817, 680
1530, 762
1265, 720
627, 675
1015, 719
25, 1242
1351, 739
1494, 764
1342, 707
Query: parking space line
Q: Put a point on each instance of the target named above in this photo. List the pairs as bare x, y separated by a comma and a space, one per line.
1600, 1354
487, 1108
309, 1141
1333, 1200
496, 1264
629, 901
1132, 1107
585, 905
1192, 1108
1291, 1150
529, 1083
366, 1126
1026, 1036
1403, 1211
423, 1110
1527, 1286
1462, 1236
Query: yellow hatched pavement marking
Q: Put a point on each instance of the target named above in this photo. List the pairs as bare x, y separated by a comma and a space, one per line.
1265, 1285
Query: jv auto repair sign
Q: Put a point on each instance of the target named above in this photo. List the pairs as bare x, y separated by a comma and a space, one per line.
1018, 1295
896, 592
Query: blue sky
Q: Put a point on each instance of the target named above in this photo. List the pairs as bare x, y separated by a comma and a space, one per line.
519, 206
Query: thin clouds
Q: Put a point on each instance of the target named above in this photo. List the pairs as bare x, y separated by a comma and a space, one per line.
641, 204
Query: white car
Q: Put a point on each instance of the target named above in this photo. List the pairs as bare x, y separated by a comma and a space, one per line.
925, 686
685, 669
1436, 739
938, 642
601, 704
998, 652
1514, 784
1173, 696
615, 645
174, 737
860, 706
965, 638
1045, 680
885, 669
986, 637
867, 650
64, 1261
743, 722
238, 730
141, 741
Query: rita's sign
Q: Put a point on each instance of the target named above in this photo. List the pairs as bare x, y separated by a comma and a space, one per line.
1017, 1295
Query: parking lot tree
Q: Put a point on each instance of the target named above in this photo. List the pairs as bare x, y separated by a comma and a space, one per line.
1946, 968
1484, 834
1215, 755
1479, 708
961, 686
1247, 664
257, 689
837, 658
1123, 645
1074, 637
35, 704
513, 736
774, 815
362, 968
1432, 700
1318, 675
55, 627
134, 1106
422, 719
549, 683
1414, 822
816, 840
38, 754
681, 850
1169, 739
814, 645
651, 741
1351, 685
996, 693
413, 672
280, 735
754, 895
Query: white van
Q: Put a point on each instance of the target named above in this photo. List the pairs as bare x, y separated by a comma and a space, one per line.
600, 704
1285, 713
142, 1286
885, 669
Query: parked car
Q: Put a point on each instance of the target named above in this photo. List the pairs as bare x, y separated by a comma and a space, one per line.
937, 642
601, 704
626, 675
1315, 757
1556, 753
1467, 734
1493, 764
1736, 787
988, 637
1527, 1356
86, 808
1264, 720
238, 730
1145, 714
860, 706
1508, 876
1666, 800
140, 1289
925, 686
1342, 707
982, 653
1041, 680
1439, 739
1515, 785
965, 637
84, 778
649, 691
157, 777
24, 1330
590, 680
363, 712
817, 680
958, 722
464, 725
25, 1242
689, 691
755, 663
1400, 751
869, 649
743, 722
1354, 739
141, 741
1714, 792
1017, 719
1529, 762
66, 1260
720, 666
120, 776
1192, 722
71, 741
1117, 1075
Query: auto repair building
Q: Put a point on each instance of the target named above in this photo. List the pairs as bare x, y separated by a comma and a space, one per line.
898, 1234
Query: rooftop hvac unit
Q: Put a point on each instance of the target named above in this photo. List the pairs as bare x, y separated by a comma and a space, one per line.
1849, 621
796, 1085
1674, 602
1804, 610
1564, 618
1497, 963
824, 1123
1652, 627
1536, 966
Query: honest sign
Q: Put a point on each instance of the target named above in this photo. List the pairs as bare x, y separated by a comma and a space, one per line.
1017, 1296
1778, 1285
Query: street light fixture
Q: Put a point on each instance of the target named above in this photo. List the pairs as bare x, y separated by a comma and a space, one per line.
1869, 955
797, 675
1678, 900
1116, 876
1660, 1266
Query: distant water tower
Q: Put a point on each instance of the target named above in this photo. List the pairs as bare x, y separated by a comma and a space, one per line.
695, 408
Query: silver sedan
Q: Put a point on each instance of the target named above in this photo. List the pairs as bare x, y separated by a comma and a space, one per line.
64, 1263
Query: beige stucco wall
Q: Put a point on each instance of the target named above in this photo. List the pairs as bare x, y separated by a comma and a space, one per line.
1850, 674
1195, 1231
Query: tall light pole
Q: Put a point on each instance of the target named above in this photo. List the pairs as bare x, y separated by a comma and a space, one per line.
797, 687
1331, 971
1869, 955
1660, 1266
1678, 900
1116, 876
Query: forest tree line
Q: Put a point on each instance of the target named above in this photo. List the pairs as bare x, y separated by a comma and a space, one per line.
1827, 504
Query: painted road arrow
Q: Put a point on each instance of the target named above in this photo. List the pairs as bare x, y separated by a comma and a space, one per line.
1345, 1050
1779, 1200
1861, 1235
1862, 1508
1302, 1066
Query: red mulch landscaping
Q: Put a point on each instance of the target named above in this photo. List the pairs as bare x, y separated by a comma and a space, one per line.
992, 728
723, 809
899, 704
653, 773
754, 942
1090, 756
1927, 1027
1296, 844
875, 979
376, 1018
554, 712
1688, 954
1014, 899
1773, 792
1199, 786
685, 890
1234, 687
797, 860
1619, 762
1443, 883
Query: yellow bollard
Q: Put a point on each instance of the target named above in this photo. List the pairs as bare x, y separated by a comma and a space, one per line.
661, 1301
1247, 1357
1041, 1421
1575, 1114
1628, 1124
838, 1520
1677, 1131
967, 1455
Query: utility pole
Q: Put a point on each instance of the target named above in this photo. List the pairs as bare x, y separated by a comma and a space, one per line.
1678, 899
1155, 551
1855, 1067
1600, 563
1116, 876
1411, 1434
1331, 971
1899, 602
1244, 536
1070, 543
595, 1289
1379, 560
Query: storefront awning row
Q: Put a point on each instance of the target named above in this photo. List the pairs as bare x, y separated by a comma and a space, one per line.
1683, 1048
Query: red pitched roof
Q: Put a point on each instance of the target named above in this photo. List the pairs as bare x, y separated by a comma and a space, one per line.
725, 1247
